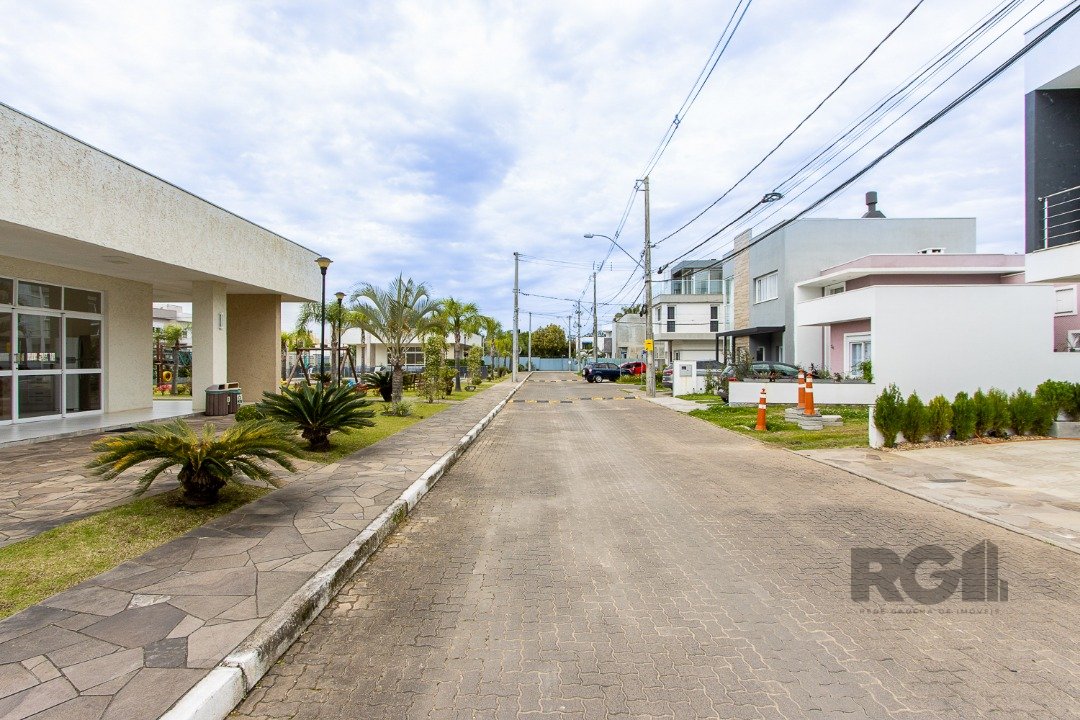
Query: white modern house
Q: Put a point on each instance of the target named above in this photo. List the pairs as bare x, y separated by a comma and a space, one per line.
88, 243
370, 352
689, 308
1052, 152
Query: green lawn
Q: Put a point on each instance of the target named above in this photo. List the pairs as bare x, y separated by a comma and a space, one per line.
853, 433
55, 560
704, 398
342, 444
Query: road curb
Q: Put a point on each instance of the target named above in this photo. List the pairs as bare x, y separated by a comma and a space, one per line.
217, 694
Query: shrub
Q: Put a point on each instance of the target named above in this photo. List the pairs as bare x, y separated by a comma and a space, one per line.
402, 408
382, 381
963, 417
434, 353
889, 414
317, 412
1045, 415
207, 461
867, 370
997, 403
710, 383
1023, 412
183, 389
939, 418
1061, 396
474, 360
982, 412
914, 419
447, 379
246, 413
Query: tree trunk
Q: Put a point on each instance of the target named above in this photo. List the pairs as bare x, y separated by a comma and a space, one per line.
176, 369
200, 488
398, 382
457, 362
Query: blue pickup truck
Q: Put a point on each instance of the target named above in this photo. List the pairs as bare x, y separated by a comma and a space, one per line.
598, 372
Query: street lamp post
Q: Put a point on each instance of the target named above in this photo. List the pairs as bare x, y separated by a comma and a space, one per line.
338, 362
323, 263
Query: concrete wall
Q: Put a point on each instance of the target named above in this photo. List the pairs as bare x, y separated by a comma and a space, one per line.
59, 185
1052, 158
254, 343
127, 353
836, 359
787, 393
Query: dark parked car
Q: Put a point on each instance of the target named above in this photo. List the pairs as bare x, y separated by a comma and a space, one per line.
665, 377
772, 369
597, 372
634, 367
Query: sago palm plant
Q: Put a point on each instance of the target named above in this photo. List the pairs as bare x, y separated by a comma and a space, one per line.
318, 411
207, 461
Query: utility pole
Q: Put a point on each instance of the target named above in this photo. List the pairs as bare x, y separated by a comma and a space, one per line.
569, 341
578, 336
514, 352
595, 334
530, 340
650, 354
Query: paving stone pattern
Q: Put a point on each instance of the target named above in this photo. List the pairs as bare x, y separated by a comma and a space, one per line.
130, 642
46, 484
620, 560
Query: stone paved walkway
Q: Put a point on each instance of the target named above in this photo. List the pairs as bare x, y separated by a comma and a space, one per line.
130, 642
619, 560
1031, 486
46, 484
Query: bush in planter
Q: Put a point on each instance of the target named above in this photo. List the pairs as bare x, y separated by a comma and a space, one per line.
939, 418
867, 370
248, 412
382, 381
889, 414
915, 420
998, 417
963, 417
1023, 412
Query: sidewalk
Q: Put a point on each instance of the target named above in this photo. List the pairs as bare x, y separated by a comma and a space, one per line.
1031, 487
130, 642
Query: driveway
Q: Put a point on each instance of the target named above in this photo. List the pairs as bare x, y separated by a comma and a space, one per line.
613, 558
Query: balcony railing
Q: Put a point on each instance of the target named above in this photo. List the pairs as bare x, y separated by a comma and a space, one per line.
689, 286
1061, 217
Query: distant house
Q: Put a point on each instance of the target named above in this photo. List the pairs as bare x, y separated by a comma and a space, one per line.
628, 336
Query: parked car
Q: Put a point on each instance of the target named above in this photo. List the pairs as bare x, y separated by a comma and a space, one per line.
772, 369
665, 377
598, 372
633, 367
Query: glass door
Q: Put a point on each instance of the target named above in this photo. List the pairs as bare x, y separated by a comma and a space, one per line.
38, 365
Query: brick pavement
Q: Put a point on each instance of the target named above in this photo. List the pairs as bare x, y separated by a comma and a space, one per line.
601, 559
128, 643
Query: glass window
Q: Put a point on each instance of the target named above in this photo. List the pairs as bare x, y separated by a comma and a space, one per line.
39, 295
714, 318
671, 312
858, 353
39, 395
766, 287
414, 355
5, 341
82, 346
6, 297
5, 398
82, 300
39, 343
83, 392
1065, 301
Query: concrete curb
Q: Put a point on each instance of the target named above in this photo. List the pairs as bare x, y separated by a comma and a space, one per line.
217, 694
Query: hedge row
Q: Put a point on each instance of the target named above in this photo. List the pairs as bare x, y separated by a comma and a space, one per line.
990, 414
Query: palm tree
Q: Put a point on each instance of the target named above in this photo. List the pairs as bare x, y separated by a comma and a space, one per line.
397, 315
207, 461
491, 329
340, 319
461, 319
173, 334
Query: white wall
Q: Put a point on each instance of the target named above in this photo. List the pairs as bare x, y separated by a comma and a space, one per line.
1054, 56
787, 393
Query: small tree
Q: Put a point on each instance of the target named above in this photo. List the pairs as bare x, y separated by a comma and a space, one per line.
982, 413
434, 358
963, 417
915, 420
997, 403
939, 418
889, 414
475, 360
1023, 412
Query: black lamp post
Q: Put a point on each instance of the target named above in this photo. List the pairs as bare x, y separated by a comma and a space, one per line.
323, 263
338, 363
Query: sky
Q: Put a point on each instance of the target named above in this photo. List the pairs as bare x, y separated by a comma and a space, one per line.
435, 139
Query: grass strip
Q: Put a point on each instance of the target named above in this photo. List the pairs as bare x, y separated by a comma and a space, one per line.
853, 433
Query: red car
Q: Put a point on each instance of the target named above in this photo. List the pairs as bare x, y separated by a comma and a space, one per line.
634, 367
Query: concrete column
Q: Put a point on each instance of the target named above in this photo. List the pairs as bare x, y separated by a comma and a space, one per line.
255, 343
209, 339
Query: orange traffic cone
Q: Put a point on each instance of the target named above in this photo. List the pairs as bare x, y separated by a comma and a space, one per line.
760, 427
809, 396
802, 390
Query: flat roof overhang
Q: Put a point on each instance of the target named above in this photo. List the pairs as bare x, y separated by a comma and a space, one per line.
171, 282
746, 332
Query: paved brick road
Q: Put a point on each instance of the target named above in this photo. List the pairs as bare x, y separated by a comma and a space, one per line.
617, 559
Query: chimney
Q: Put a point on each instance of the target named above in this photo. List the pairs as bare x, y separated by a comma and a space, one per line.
871, 206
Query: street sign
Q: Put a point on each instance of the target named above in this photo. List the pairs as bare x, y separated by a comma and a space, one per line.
648, 345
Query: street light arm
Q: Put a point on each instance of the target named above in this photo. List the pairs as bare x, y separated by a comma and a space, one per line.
616, 244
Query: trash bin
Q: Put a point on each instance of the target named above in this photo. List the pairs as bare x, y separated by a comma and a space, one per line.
223, 399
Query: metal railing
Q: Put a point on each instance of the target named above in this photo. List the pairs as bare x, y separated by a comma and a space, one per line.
689, 286
1061, 217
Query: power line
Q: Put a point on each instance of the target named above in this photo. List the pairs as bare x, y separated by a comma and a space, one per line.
959, 100
795, 129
